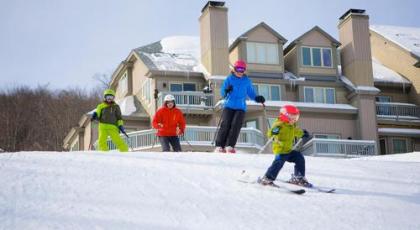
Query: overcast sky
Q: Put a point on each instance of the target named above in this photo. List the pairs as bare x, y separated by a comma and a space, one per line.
64, 43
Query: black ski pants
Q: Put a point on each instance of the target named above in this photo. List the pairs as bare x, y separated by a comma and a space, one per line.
173, 140
230, 127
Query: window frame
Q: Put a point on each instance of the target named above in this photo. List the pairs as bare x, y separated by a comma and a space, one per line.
256, 87
324, 92
182, 85
123, 84
255, 56
321, 56
399, 139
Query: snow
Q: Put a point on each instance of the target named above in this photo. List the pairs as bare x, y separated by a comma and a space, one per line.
127, 105
384, 74
182, 45
406, 37
399, 131
141, 190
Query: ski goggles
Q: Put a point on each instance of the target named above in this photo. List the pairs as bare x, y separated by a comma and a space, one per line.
109, 97
240, 70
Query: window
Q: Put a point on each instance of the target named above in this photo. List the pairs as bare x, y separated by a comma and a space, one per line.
319, 95
270, 92
262, 53
146, 93
123, 85
399, 145
251, 124
316, 57
178, 87
383, 99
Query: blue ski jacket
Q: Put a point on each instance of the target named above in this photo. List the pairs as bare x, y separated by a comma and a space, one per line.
242, 87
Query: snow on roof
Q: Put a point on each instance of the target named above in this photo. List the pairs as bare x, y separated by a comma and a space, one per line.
127, 105
399, 131
382, 73
406, 37
359, 88
182, 45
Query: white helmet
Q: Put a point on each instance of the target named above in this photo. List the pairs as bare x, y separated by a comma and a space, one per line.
169, 97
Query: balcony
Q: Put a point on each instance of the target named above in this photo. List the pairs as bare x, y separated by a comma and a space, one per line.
397, 111
191, 101
196, 138
339, 148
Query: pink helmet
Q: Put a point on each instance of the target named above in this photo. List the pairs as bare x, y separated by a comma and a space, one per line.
240, 64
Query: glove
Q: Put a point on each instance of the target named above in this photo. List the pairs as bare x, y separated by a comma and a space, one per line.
305, 134
260, 99
228, 89
121, 128
94, 116
275, 130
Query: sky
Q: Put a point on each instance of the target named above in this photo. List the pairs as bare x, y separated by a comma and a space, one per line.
63, 44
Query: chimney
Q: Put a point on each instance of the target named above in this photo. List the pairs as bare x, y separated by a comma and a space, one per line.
356, 58
356, 64
214, 38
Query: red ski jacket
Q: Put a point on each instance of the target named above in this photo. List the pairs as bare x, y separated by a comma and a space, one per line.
167, 120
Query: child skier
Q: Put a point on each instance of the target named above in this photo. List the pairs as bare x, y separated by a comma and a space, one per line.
284, 132
110, 122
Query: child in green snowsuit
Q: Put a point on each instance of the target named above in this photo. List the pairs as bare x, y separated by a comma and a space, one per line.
110, 122
284, 132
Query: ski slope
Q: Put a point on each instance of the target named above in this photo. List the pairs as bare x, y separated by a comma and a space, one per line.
94, 190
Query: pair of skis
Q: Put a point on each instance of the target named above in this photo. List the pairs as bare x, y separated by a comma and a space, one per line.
299, 191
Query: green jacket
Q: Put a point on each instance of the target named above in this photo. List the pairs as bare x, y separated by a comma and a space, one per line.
109, 113
283, 142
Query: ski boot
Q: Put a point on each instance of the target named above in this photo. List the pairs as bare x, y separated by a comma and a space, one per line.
220, 150
265, 181
230, 149
299, 180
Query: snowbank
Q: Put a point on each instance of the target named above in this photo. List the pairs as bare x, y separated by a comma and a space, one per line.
93, 190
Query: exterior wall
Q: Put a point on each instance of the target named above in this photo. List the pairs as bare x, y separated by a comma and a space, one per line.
399, 60
396, 94
139, 73
356, 58
321, 123
234, 55
214, 40
291, 61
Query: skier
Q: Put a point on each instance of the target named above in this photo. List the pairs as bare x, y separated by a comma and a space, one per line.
170, 123
235, 89
284, 132
108, 113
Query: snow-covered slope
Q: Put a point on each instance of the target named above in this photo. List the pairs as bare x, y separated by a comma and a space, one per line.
46, 190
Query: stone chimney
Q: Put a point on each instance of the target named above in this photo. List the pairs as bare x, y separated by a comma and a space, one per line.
356, 64
356, 58
214, 38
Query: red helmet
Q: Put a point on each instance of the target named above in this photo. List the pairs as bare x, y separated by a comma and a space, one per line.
289, 113
240, 64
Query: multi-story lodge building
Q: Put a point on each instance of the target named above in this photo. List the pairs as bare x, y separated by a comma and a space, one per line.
357, 95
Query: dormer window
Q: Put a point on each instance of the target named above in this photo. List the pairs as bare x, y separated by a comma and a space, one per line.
316, 57
262, 53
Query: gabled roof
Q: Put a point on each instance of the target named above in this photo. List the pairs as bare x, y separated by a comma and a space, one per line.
315, 28
262, 24
407, 38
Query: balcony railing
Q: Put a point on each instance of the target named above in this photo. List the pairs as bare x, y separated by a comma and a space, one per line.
249, 138
189, 99
339, 148
397, 111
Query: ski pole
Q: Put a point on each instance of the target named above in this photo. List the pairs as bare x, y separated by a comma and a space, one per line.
266, 144
128, 140
185, 139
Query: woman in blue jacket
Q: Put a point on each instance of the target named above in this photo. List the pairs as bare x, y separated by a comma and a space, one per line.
235, 89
